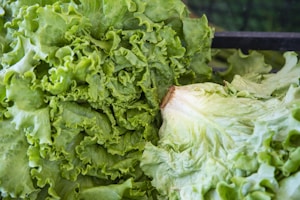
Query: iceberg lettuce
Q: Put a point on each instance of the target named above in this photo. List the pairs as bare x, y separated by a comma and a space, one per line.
81, 82
235, 141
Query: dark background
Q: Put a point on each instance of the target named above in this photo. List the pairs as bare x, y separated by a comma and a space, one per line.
249, 15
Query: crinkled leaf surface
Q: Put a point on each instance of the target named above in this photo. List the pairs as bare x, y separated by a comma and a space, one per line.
80, 87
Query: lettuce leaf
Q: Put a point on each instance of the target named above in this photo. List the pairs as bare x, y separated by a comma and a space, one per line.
81, 83
261, 83
15, 166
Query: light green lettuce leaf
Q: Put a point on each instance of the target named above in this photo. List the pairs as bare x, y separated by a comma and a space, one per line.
289, 188
106, 14
110, 192
263, 85
259, 185
15, 178
248, 65
18, 86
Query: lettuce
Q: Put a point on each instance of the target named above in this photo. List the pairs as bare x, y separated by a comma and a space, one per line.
230, 142
80, 87
251, 72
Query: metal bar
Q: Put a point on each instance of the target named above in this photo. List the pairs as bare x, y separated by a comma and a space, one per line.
279, 41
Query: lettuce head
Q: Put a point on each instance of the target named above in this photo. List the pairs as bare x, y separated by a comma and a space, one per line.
240, 140
81, 82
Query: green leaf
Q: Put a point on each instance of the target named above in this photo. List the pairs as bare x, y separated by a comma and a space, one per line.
249, 65
289, 188
15, 163
110, 192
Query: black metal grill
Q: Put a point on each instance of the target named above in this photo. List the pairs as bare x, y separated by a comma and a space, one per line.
279, 41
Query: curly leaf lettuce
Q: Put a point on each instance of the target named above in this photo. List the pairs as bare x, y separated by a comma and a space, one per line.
80, 87
229, 142
260, 82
